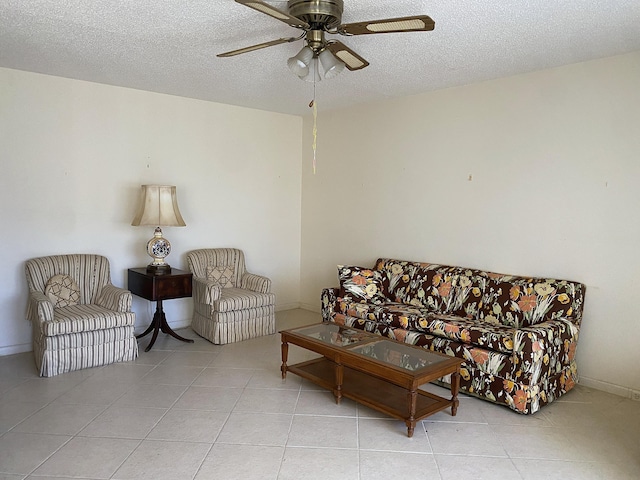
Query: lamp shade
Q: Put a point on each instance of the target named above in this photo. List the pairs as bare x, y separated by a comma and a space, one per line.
331, 65
300, 63
159, 207
313, 74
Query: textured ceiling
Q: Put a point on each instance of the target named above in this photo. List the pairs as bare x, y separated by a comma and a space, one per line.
170, 46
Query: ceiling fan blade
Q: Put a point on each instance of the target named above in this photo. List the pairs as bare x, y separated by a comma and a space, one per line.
419, 23
258, 46
351, 59
274, 12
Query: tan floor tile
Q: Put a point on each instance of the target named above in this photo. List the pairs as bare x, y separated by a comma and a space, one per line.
463, 439
22, 452
256, 429
159, 460
319, 464
221, 399
230, 462
88, 457
328, 432
60, 419
189, 426
261, 400
398, 464
456, 467
119, 421
391, 435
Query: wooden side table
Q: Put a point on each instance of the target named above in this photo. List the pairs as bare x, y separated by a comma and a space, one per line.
157, 288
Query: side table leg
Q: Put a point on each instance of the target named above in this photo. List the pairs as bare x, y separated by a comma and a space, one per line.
156, 327
455, 387
285, 354
164, 326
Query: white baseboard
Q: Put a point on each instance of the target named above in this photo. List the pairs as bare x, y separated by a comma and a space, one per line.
13, 349
606, 387
287, 306
311, 307
175, 325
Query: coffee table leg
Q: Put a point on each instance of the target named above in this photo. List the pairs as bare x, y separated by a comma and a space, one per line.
285, 355
455, 386
411, 421
339, 379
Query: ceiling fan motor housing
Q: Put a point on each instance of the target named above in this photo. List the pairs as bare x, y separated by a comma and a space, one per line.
320, 14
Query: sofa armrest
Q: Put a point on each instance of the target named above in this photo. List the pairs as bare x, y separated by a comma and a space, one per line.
328, 299
255, 283
115, 298
39, 307
205, 291
543, 350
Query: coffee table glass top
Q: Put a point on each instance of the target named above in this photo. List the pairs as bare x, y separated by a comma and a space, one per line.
403, 356
334, 334
372, 346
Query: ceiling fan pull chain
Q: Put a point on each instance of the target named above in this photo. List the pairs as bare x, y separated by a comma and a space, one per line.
315, 126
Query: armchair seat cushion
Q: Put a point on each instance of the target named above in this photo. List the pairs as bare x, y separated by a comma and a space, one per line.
240, 299
85, 318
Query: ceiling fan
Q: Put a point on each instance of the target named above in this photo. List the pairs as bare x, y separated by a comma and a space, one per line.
316, 18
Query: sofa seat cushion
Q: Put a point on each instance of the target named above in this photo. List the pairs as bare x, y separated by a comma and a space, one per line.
353, 308
463, 330
84, 318
498, 338
489, 361
240, 299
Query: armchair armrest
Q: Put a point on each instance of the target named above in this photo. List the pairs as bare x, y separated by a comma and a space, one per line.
205, 291
255, 283
39, 307
544, 349
115, 298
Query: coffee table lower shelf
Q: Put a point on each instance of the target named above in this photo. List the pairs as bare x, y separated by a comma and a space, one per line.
371, 391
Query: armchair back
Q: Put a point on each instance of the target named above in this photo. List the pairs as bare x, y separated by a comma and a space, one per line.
90, 272
199, 260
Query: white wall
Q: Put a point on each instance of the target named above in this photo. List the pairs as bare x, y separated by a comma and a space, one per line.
74, 154
536, 174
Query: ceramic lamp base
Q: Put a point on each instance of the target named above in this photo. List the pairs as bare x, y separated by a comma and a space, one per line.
156, 269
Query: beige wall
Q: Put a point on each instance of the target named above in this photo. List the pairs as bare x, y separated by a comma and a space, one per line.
536, 174
74, 154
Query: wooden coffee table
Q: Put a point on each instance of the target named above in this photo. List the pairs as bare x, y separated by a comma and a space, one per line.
375, 371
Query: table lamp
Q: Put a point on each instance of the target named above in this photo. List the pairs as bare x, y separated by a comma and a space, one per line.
159, 208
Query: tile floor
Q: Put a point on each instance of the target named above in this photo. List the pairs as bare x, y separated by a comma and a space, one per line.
202, 411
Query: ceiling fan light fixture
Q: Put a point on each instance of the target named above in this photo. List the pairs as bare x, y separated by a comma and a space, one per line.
313, 75
300, 63
331, 65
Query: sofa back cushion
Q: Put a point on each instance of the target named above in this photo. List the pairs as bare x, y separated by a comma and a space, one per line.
523, 302
361, 284
397, 278
487, 297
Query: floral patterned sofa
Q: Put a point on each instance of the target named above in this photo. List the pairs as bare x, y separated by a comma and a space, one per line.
517, 335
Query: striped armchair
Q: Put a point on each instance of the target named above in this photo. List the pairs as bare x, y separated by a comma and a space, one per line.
230, 304
79, 319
